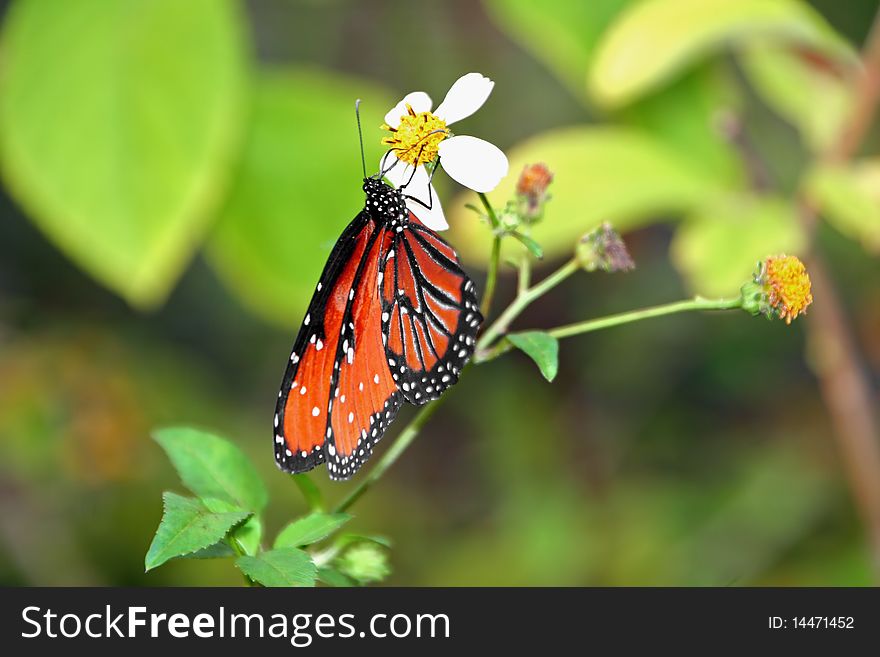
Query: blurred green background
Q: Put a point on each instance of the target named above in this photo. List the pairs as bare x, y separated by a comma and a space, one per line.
175, 173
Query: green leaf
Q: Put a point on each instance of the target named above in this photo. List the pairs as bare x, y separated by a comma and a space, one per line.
364, 562
219, 550
248, 535
298, 186
533, 247
119, 125
212, 467
600, 174
187, 527
653, 40
814, 96
282, 567
541, 348
310, 529
718, 247
563, 37
332, 577
848, 197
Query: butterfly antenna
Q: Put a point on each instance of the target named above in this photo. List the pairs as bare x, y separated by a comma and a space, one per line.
357, 113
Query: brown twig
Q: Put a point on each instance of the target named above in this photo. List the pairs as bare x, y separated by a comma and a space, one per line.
833, 351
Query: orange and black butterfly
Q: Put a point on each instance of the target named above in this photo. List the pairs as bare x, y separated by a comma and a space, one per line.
393, 319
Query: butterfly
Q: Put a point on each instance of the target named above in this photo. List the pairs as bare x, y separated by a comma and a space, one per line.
393, 319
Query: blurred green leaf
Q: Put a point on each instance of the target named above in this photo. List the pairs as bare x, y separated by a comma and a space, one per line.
687, 115
533, 247
813, 95
187, 526
718, 247
299, 185
282, 567
541, 348
654, 40
332, 577
310, 529
212, 467
364, 563
117, 143
600, 174
562, 37
848, 197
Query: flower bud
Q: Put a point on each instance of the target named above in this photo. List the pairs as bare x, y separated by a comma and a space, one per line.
531, 189
604, 249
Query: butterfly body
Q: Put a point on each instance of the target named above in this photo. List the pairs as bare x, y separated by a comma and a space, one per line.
393, 319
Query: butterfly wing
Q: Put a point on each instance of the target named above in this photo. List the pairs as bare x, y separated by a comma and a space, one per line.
337, 396
430, 316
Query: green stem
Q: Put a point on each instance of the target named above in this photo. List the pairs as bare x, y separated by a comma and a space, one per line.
697, 303
309, 491
397, 448
494, 258
523, 299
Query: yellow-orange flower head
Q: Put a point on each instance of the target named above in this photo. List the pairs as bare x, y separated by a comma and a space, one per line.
416, 139
787, 286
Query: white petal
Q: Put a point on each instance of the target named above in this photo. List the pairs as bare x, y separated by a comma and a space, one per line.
473, 162
433, 218
464, 97
396, 171
418, 100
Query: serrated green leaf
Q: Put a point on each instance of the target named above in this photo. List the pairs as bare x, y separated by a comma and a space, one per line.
212, 467
541, 348
563, 37
718, 247
298, 186
653, 40
220, 550
248, 535
187, 526
600, 174
117, 143
310, 529
815, 99
282, 567
848, 197
332, 577
533, 247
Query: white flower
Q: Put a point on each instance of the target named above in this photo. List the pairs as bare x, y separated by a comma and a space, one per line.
420, 134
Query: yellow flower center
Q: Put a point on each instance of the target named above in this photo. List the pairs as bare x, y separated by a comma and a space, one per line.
788, 286
416, 139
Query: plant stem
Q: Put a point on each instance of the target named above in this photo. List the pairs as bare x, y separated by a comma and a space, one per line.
578, 328
397, 448
521, 302
833, 352
494, 258
309, 491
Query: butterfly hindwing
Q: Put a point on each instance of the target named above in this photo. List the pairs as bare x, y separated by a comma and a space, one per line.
430, 316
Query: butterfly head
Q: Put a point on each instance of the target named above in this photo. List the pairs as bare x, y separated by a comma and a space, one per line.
383, 201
